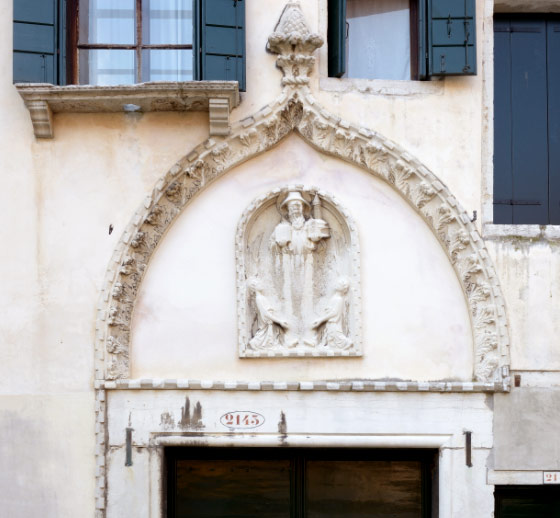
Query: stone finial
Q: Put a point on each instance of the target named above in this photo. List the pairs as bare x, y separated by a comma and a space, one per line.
295, 43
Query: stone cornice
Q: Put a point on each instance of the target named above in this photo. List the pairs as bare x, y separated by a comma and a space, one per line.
216, 97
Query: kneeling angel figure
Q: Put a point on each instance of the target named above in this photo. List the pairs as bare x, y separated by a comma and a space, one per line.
332, 333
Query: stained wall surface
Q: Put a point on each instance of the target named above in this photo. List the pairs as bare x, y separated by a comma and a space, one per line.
60, 197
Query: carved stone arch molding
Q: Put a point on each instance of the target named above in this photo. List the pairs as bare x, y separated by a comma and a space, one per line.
296, 111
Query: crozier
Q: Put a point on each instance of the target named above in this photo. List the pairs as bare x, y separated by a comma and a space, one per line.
298, 274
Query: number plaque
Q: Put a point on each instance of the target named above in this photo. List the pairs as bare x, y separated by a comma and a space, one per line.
551, 477
243, 420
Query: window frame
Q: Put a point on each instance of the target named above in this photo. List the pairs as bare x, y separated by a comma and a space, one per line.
73, 45
298, 456
435, 38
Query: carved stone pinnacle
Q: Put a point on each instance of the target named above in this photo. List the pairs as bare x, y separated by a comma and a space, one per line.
295, 43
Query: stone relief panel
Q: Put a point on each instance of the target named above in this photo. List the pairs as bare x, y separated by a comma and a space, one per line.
298, 277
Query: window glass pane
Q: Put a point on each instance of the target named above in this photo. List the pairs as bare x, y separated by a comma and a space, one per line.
232, 488
107, 21
107, 67
364, 489
167, 22
167, 65
378, 39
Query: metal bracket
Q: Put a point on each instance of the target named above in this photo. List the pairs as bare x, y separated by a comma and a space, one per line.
128, 461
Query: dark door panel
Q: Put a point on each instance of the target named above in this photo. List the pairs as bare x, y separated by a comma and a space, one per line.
300, 482
527, 502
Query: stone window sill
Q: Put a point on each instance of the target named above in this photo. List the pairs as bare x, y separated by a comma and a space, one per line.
216, 97
534, 232
383, 87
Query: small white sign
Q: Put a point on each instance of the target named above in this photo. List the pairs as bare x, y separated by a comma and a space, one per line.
551, 477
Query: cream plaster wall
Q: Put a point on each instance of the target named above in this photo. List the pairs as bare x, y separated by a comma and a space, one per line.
60, 196
530, 275
47, 455
184, 324
65, 192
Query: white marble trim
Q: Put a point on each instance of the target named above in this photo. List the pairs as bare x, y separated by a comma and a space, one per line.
331, 386
307, 440
516, 478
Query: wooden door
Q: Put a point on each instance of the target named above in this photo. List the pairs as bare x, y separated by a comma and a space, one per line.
298, 483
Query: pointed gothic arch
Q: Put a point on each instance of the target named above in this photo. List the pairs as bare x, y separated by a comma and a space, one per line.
297, 111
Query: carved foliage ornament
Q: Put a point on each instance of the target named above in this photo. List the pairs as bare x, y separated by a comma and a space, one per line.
298, 277
296, 111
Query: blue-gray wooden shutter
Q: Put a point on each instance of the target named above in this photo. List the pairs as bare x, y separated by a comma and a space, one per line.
451, 37
37, 41
520, 121
336, 37
422, 39
222, 41
553, 62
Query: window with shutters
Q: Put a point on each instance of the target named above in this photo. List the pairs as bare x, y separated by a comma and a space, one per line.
116, 42
401, 39
527, 119
300, 483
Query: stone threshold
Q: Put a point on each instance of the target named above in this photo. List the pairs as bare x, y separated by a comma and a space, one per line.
335, 386
217, 97
497, 477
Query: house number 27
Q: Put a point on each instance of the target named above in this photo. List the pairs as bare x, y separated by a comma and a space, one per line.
243, 420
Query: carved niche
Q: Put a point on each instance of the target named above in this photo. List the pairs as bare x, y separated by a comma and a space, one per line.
298, 277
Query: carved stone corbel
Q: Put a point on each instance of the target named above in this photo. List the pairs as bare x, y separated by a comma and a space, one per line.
219, 116
41, 118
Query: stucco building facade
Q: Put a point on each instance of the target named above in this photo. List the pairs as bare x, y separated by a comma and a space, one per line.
135, 216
